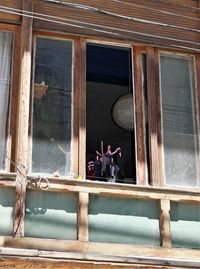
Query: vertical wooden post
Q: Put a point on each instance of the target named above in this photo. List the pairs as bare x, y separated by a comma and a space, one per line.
77, 87
23, 119
165, 232
15, 95
82, 110
159, 120
141, 162
152, 115
197, 61
83, 217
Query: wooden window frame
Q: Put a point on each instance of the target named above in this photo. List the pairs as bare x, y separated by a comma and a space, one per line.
14, 81
82, 248
195, 63
74, 103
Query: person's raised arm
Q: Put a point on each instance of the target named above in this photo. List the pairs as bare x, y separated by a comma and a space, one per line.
102, 148
117, 149
98, 153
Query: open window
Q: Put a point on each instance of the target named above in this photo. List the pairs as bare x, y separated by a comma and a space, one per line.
110, 139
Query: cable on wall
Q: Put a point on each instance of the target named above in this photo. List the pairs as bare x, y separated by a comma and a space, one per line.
77, 25
112, 14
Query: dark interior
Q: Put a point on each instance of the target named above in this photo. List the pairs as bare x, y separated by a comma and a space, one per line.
108, 77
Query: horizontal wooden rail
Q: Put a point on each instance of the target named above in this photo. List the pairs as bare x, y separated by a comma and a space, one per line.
63, 249
107, 189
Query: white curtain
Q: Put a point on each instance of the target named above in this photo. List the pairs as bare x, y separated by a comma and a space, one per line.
5, 74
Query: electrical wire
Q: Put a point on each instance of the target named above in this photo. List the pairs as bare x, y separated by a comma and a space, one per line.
156, 10
41, 16
108, 13
176, 4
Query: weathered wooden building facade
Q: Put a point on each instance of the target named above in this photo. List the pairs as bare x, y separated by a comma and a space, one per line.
73, 74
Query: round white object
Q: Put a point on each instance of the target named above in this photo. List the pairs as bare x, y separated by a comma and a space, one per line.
123, 112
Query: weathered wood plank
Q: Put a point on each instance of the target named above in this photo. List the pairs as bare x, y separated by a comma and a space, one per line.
197, 80
15, 94
83, 217
33, 263
62, 249
76, 92
82, 110
160, 166
152, 115
141, 163
23, 120
165, 232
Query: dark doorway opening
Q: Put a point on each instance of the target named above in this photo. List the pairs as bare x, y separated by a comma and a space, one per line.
109, 115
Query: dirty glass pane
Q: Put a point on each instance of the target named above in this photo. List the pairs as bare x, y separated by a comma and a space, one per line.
51, 215
179, 121
185, 225
5, 74
128, 221
51, 150
7, 199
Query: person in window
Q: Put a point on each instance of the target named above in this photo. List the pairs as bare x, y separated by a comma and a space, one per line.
107, 160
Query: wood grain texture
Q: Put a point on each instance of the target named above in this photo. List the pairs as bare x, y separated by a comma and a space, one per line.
165, 232
15, 94
82, 110
83, 217
160, 149
109, 19
23, 120
112, 190
102, 252
152, 115
197, 79
141, 162
76, 92
33, 263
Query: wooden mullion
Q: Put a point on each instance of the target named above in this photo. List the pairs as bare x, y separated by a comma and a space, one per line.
76, 91
159, 119
14, 96
152, 115
141, 161
82, 110
23, 120
165, 231
83, 217
197, 61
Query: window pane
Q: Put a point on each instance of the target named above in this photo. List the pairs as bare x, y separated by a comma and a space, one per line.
52, 107
51, 215
5, 74
179, 123
110, 145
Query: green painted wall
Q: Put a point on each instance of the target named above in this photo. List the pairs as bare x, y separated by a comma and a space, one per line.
7, 198
51, 215
185, 225
131, 221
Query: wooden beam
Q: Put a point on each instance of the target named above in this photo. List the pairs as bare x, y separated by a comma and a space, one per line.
83, 217
160, 166
114, 190
82, 109
50, 263
90, 251
76, 92
141, 162
23, 119
165, 231
197, 80
15, 94
152, 115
